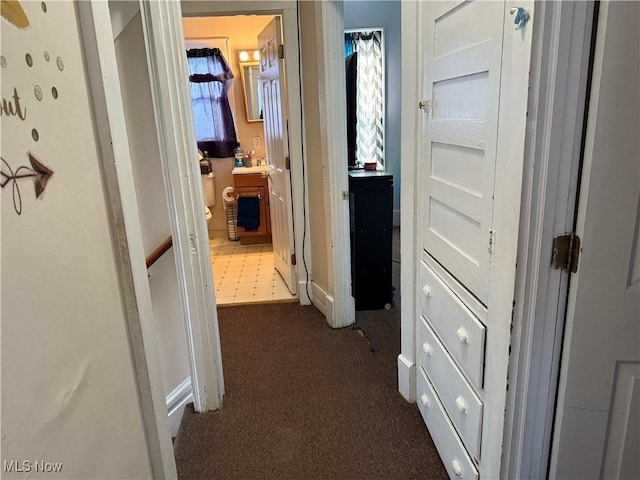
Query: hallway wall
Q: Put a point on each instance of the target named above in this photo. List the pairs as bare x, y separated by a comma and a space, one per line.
154, 211
69, 392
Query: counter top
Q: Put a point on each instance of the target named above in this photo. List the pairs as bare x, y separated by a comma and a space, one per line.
246, 170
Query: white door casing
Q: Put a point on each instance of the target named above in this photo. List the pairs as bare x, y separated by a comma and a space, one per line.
597, 433
272, 82
469, 167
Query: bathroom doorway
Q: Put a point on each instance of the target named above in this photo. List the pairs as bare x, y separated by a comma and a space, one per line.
243, 272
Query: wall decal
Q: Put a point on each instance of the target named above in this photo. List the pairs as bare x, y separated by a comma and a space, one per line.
44, 7
38, 171
35, 135
12, 107
3, 62
54, 92
28, 59
13, 12
37, 91
46, 56
60, 64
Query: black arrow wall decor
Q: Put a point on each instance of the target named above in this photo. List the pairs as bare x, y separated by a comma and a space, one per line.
38, 171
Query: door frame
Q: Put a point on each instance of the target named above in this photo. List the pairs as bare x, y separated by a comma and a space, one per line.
289, 13
560, 57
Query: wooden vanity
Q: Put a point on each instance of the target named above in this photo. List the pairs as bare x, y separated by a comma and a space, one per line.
252, 182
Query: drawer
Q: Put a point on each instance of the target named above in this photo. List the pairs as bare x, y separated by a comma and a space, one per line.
460, 401
452, 452
460, 331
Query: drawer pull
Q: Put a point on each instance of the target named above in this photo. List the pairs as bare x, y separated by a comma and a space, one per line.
456, 466
461, 404
427, 349
426, 290
462, 335
424, 400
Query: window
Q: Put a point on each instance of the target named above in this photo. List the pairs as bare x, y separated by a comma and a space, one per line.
369, 47
210, 78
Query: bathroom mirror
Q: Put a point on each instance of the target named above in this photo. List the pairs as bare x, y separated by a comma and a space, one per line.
250, 72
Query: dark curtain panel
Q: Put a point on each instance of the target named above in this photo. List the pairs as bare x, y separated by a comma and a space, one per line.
351, 69
210, 78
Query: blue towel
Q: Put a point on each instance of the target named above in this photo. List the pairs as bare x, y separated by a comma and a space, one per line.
249, 213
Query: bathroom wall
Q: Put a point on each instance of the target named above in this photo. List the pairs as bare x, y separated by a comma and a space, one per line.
385, 14
69, 392
242, 31
154, 212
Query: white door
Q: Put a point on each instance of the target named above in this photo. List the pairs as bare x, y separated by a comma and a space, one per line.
597, 427
474, 96
462, 81
272, 79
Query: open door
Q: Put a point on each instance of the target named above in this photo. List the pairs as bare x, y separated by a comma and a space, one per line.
597, 426
272, 80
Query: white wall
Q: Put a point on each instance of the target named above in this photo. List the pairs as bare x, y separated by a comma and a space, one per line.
385, 14
153, 208
68, 388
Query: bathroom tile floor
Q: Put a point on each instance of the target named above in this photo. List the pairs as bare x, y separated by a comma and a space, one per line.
245, 273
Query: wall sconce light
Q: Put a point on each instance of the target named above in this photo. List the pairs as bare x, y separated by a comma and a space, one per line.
245, 56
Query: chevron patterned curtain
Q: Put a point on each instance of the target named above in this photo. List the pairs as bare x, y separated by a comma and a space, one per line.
370, 97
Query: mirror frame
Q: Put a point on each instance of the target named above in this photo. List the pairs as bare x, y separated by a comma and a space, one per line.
244, 89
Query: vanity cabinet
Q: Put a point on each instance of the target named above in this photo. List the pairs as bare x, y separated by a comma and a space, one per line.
254, 185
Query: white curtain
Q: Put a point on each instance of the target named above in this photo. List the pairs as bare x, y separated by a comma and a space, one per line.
370, 97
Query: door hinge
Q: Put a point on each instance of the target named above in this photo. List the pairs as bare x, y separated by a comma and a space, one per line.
424, 105
293, 259
287, 163
280, 51
566, 252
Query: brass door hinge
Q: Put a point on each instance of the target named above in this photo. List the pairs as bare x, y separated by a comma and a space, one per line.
280, 51
566, 252
287, 163
293, 259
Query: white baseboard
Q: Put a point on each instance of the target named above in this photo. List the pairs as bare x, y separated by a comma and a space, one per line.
176, 401
407, 379
322, 301
303, 298
396, 218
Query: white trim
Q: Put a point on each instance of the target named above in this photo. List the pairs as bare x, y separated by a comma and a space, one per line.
164, 42
411, 68
407, 378
176, 401
102, 71
322, 301
121, 14
289, 12
560, 60
333, 119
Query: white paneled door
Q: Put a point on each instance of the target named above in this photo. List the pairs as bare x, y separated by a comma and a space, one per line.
471, 154
597, 427
272, 81
462, 83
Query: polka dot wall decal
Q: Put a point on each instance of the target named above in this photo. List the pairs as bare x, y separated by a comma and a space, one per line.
47, 57
60, 63
3, 62
35, 135
54, 92
37, 91
28, 59
44, 7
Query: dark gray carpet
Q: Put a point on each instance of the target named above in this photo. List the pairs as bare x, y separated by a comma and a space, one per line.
304, 401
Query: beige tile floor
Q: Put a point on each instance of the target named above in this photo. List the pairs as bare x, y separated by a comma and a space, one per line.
245, 273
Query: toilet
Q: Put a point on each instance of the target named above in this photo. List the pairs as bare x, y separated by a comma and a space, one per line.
209, 194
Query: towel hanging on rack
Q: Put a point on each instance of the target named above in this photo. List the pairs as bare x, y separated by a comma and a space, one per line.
249, 213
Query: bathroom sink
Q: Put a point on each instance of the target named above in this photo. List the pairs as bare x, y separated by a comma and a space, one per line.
246, 170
